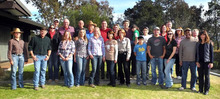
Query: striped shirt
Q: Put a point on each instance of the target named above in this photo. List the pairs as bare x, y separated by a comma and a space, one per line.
96, 46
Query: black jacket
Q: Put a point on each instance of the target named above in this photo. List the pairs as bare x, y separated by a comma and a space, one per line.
208, 52
55, 41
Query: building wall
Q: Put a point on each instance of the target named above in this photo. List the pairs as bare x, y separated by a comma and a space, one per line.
5, 36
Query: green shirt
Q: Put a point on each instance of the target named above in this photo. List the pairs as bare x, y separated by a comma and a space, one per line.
39, 46
136, 34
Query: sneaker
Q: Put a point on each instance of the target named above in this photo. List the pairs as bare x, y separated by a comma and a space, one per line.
43, 86
92, 85
179, 77
77, 85
50, 80
56, 80
193, 89
181, 88
36, 88
206, 93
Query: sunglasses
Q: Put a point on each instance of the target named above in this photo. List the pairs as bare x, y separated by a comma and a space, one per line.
169, 33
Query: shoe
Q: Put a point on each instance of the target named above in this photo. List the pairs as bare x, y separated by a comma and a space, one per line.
164, 87
36, 88
128, 85
206, 93
193, 89
109, 84
181, 88
113, 85
161, 86
50, 80
13, 89
70, 86
153, 84
179, 77
121, 84
138, 83
92, 85
43, 86
77, 85
56, 80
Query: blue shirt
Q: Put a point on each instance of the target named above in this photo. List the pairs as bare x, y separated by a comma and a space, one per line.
140, 52
89, 35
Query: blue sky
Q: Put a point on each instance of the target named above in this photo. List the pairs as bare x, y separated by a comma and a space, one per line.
121, 5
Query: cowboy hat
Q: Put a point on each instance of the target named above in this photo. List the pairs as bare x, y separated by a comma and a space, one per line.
16, 30
91, 23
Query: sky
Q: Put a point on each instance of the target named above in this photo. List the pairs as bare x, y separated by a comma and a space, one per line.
121, 5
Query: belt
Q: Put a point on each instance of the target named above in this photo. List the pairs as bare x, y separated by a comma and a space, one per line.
121, 52
17, 54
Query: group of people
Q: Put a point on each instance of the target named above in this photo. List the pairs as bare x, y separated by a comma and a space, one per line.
74, 48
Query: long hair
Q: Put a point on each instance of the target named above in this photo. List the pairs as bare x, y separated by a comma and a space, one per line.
204, 32
83, 31
64, 36
180, 29
161, 28
173, 38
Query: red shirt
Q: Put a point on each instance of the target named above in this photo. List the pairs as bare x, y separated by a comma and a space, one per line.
164, 36
105, 34
52, 34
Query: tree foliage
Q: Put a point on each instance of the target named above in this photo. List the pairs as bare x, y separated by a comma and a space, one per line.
73, 10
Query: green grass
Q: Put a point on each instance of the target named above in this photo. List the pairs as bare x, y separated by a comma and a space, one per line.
58, 91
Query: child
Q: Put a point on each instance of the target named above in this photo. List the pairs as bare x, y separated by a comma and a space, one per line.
140, 51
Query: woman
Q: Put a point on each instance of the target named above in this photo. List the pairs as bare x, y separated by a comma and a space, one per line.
53, 67
124, 54
179, 36
16, 58
116, 29
65, 51
163, 31
81, 57
96, 50
111, 51
204, 61
169, 58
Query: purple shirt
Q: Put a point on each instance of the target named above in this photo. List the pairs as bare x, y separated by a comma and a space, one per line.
70, 29
96, 46
129, 34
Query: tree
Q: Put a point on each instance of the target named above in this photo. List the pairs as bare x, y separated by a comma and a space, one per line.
73, 10
145, 13
213, 15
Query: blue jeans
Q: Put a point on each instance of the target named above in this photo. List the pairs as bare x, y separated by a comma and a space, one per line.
159, 63
96, 65
53, 68
168, 66
193, 69
111, 66
141, 66
80, 73
40, 67
67, 72
18, 61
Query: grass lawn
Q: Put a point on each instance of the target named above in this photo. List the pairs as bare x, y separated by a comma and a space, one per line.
102, 92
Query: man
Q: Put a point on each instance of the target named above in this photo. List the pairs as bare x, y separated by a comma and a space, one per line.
89, 34
16, 58
129, 34
61, 30
56, 24
104, 29
66, 27
53, 68
40, 51
156, 51
187, 52
169, 26
80, 26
